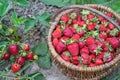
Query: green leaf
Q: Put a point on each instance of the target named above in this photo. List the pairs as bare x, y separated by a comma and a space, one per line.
29, 24
40, 49
22, 2
44, 61
17, 21
4, 7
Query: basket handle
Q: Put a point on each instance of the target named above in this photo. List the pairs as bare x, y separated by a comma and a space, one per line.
87, 8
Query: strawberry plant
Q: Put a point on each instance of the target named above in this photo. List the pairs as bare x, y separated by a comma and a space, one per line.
82, 38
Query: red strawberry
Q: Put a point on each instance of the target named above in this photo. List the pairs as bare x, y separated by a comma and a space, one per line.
91, 27
75, 62
73, 29
110, 58
90, 41
26, 47
74, 21
85, 56
81, 44
30, 56
92, 65
68, 32
73, 48
66, 56
86, 61
75, 58
114, 42
65, 18
76, 37
15, 67
101, 55
103, 36
102, 28
111, 26
98, 61
92, 57
56, 34
92, 48
109, 15
55, 42
90, 16
100, 18
6, 56
81, 33
13, 49
81, 23
64, 38
79, 65
58, 28
79, 18
60, 47
105, 48
99, 43
20, 60
108, 40
84, 50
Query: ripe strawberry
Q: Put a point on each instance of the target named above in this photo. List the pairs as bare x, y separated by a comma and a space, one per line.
76, 37
73, 48
81, 33
85, 56
55, 42
68, 32
86, 61
58, 28
103, 36
73, 29
98, 61
92, 48
105, 48
102, 28
65, 18
26, 47
75, 62
65, 56
109, 15
101, 55
92, 57
90, 16
79, 18
75, 58
81, 23
56, 34
114, 42
15, 67
81, 44
13, 49
108, 39
111, 26
108, 57
79, 65
6, 56
20, 60
30, 56
100, 18
91, 27
99, 43
74, 21
60, 47
64, 38
90, 41
92, 65
84, 50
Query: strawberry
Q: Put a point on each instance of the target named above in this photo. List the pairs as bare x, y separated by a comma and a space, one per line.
20, 60
79, 18
106, 48
101, 55
15, 67
74, 21
65, 18
92, 48
109, 15
6, 56
81, 33
85, 56
91, 27
86, 61
92, 65
100, 18
55, 42
73, 48
73, 29
102, 28
92, 57
65, 56
60, 47
90, 16
76, 37
75, 62
111, 26
68, 32
108, 39
13, 49
103, 36
56, 34
99, 43
90, 41
64, 38
114, 42
75, 58
84, 50
79, 65
30, 56
81, 44
81, 23
108, 57
26, 47
98, 61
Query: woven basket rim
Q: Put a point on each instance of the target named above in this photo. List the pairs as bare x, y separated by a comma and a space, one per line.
72, 66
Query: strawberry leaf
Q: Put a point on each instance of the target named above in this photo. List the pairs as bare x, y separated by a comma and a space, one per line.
98, 50
114, 32
106, 56
85, 12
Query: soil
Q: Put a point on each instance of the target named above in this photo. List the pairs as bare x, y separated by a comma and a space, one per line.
40, 35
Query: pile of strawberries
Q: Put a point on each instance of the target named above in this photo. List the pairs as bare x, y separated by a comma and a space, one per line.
84, 38
19, 54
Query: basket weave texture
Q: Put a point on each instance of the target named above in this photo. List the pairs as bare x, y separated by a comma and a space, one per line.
73, 71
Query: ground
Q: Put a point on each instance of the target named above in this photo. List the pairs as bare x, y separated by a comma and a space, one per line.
40, 35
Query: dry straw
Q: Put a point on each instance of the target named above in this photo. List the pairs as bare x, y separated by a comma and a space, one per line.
73, 71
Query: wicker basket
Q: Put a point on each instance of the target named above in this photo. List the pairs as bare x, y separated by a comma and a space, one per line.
75, 72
